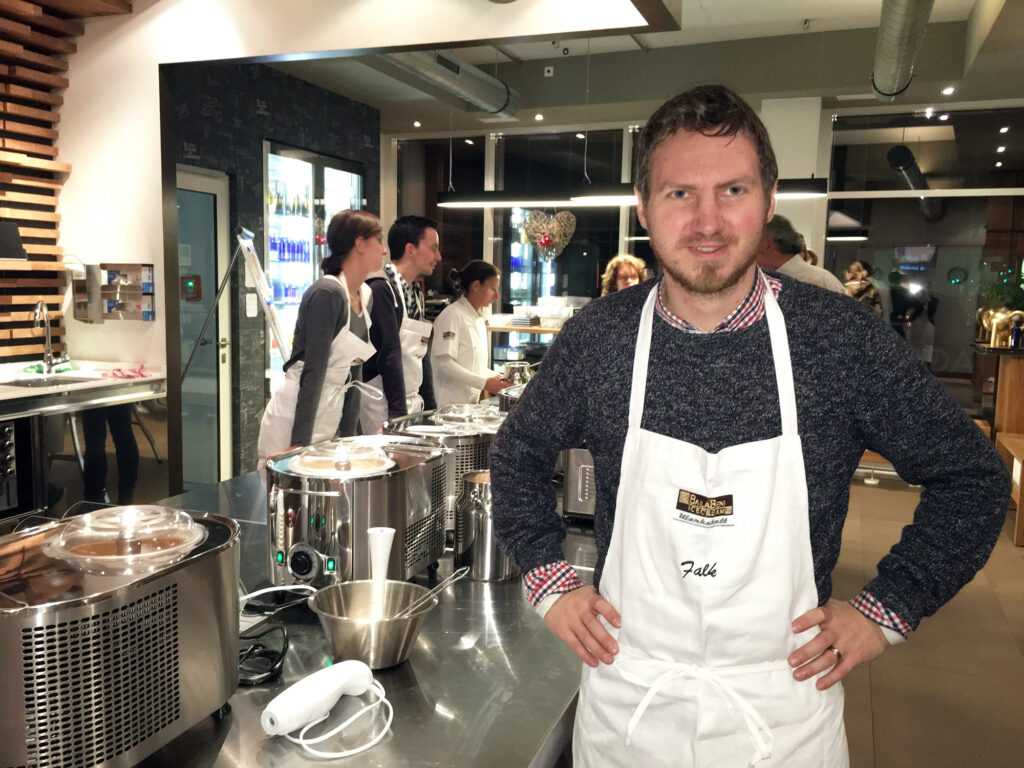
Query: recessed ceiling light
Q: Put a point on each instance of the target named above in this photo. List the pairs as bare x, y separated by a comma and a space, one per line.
943, 117
1000, 149
928, 112
999, 163
538, 117
949, 90
580, 136
416, 123
469, 141
1004, 129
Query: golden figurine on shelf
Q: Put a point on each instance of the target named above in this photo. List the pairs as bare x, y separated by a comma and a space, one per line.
996, 325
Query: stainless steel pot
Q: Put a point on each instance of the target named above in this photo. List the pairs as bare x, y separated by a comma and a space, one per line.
509, 396
470, 442
317, 521
103, 666
518, 372
475, 545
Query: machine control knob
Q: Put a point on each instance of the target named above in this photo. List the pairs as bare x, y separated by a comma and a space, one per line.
6, 445
9, 471
303, 563
6, 430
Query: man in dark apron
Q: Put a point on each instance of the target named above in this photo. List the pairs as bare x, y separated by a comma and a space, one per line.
726, 409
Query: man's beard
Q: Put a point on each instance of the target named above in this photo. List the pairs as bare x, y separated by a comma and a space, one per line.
709, 281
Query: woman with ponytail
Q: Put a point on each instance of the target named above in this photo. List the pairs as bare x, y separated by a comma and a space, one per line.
458, 352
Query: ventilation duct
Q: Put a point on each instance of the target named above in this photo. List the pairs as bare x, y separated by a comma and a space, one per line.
901, 159
900, 34
464, 80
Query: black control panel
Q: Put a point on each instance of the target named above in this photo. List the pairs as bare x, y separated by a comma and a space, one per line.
15, 467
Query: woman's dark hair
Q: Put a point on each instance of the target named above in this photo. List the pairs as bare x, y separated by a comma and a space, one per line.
475, 271
345, 228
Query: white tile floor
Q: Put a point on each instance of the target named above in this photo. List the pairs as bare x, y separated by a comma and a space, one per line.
953, 694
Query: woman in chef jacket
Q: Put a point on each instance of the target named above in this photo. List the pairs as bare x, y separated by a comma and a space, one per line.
458, 352
330, 343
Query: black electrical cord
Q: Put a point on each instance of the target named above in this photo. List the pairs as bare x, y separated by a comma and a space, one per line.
270, 607
260, 663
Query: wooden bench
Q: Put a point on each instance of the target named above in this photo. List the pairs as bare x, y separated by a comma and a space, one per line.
1011, 447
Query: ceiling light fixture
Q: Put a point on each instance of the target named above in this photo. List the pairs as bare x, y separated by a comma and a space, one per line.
943, 117
1000, 149
929, 111
416, 124
999, 163
846, 238
949, 90
469, 141
580, 136
538, 117
602, 196
1004, 129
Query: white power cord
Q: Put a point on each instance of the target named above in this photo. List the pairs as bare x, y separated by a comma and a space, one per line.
305, 743
288, 588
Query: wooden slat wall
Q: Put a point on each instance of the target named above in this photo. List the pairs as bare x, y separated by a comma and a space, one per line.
35, 38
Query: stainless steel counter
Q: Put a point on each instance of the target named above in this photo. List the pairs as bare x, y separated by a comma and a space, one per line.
486, 685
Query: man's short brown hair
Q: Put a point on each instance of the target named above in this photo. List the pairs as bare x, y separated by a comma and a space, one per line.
712, 110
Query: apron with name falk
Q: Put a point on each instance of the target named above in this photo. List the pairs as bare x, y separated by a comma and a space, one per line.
347, 349
709, 563
413, 335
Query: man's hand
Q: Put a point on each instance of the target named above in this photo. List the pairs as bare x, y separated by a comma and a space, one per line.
573, 617
844, 628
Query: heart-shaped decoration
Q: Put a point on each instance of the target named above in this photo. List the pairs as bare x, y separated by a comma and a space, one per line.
550, 234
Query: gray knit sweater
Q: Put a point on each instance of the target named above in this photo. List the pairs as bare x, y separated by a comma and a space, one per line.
858, 386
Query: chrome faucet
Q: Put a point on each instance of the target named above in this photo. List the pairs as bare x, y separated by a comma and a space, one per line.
49, 361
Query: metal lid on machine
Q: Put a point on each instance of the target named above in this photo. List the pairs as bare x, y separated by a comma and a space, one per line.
124, 540
350, 457
475, 414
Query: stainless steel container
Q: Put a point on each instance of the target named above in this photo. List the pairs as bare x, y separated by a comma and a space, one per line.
352, 632
317, 521
509, 396
518, 372
579, 492
104, 668
470, 442
475, 545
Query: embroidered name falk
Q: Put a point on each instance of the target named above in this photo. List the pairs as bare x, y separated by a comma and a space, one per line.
705, 511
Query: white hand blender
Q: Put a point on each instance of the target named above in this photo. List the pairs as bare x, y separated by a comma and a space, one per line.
380, 553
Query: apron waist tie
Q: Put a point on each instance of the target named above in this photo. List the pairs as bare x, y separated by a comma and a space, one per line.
374, 393
758, 730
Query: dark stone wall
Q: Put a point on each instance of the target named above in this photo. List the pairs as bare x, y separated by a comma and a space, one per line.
222, 113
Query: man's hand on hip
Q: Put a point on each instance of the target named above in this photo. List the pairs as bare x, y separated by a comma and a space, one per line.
573, 617
844, 629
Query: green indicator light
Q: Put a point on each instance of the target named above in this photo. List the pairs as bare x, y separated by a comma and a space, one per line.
280, 557
323, 521
330, 564
191, 283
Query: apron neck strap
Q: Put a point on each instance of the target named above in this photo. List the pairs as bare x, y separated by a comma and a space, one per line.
780, 356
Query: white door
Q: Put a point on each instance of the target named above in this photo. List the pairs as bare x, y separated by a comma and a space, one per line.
203, 258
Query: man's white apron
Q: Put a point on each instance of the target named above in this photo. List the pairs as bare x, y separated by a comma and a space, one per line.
709, 563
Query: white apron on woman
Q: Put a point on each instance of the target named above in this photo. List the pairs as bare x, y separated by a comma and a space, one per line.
413, 336
709, 563
347, 349
458, 356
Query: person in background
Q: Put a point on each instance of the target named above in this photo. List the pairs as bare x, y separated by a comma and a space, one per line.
330, 344
622, 272
781, 249
710, 636
459, 349
400, 330
126, 450
861, 289
810, 257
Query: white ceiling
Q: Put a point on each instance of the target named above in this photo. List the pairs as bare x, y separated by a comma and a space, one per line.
837, 43
712, 21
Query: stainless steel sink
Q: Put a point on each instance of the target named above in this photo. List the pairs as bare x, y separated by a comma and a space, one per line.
45, 381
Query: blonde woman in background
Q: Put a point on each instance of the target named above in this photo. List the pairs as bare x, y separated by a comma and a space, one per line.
622, 272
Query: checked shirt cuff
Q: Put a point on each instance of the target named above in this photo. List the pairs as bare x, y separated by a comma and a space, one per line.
547, 583
893, 627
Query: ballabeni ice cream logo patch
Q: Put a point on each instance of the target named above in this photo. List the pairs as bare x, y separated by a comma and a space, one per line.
449, 335
705, 511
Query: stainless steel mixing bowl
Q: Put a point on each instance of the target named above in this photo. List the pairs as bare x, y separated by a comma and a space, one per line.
344, 612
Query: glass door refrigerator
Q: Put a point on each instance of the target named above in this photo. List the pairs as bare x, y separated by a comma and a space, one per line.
304, 190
